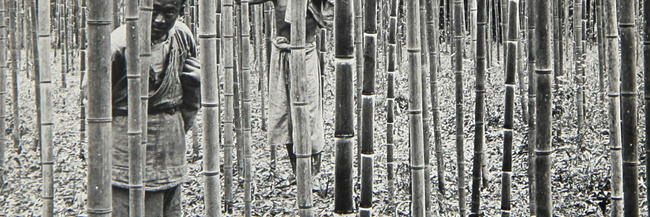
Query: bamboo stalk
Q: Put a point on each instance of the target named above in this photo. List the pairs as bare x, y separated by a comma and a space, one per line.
601, 49
614, 106
3, 87
433, 33
299, 113
246, 104
367, 105
82, 68
358, 48
144, 30
532, 106
415, 108
424, 70
13, 64
210, 104
629, 135
390, 100
99, 108
511, 70
543, 79
479, 127
344, 110
228, 122
268, 32
579, 65
45, 104
458, 71
134, 119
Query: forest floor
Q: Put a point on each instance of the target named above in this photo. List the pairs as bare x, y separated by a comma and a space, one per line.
580, 176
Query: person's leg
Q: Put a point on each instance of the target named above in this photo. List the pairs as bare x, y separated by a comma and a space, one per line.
153, 203
120, 200
172, 202
314, 97
279, 115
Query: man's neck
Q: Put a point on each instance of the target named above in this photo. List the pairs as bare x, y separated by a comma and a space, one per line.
159, 40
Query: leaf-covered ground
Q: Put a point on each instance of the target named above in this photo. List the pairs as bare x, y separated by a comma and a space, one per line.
580, 177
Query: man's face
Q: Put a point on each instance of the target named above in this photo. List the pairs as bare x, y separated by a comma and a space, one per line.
165, 13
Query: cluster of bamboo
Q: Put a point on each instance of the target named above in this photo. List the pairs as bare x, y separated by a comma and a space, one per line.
225, 44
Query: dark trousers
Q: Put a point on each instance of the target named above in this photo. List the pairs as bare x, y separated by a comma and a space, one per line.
164, 203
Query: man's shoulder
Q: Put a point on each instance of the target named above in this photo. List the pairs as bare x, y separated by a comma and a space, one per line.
183, 29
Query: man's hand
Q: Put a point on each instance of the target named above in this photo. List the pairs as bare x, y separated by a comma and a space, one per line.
192, 64
282, 43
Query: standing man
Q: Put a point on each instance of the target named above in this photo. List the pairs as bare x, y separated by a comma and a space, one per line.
279, 118
174, 101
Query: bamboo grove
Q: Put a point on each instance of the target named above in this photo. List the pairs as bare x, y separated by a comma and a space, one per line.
553, 95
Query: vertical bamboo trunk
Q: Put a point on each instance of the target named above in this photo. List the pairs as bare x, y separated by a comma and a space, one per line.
601, 49
144, 46
629, 136
560, 38
520, 63
646, 81
479, 127
579, 65
473, 12
14, 53
210, 104
358, 48
344, 110
136, 151
415, 108
116, 14
268, 32
298, 108
246, 104
36, 79
66, 45
510, 72
3, 71
543, 79
458, 71
426, 129
614, 106
433, 34
82, 68
45, 104
367, 105
532, 105
237, 90
229, 95
390, 99
99, 108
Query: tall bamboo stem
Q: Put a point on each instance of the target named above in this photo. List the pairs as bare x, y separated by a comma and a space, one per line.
532, 105
415, 108
390, 99
426, 136
99, 108
344, 110
629, 135
45, 104
228, 122
479, 126
579, 64
543, 79
433, 32
367, 105
210, 104
458, 71
134, 120
510, 72
246, 104
3, 87
614, 106
299, 105
144, 27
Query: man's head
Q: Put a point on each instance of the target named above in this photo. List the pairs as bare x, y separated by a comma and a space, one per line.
165, 13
